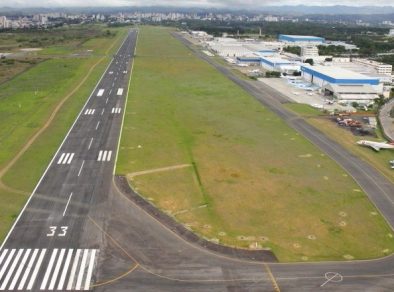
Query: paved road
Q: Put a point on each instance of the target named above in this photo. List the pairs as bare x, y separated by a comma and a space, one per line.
386, 120
53, 244
110, 244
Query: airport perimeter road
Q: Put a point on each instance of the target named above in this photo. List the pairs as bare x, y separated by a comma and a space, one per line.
53, 245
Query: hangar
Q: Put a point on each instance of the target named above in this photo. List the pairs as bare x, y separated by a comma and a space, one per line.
300, 39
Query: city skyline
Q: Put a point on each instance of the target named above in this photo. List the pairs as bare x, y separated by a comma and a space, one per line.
246, 4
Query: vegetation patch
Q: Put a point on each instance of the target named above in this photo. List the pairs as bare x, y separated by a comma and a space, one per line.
255, 188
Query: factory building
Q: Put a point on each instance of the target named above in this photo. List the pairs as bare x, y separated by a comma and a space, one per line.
300, 40
343, 84
309, 51
280, 65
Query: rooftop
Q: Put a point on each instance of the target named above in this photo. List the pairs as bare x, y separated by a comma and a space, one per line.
301, 36
336, 72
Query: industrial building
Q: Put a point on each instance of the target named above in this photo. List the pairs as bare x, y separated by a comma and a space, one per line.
362, 93
309, 51
300, 39
280, 64
344, 84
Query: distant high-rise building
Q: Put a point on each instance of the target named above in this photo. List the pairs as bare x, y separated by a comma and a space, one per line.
3, 22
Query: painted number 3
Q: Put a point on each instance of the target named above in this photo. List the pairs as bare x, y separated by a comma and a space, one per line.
61, 231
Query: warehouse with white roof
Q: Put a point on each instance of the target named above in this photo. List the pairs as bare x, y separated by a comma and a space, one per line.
344, 84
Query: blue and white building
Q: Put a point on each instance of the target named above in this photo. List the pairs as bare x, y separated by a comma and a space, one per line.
344, 84
280, 64
299, 40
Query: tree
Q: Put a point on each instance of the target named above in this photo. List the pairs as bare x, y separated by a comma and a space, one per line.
309, 61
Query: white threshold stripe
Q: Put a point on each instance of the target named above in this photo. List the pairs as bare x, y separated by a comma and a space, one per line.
80, 170
11, 270
6, 263
3, 254
19, 271
49, 269
81, 270
86, 112
65, 269
35, 272
61, 158
68, 202
90, 270
70, 159
93, 111
66, 158
113, 109
28, 269
109, 155
100, 154
57, 269
104, 156
73, 270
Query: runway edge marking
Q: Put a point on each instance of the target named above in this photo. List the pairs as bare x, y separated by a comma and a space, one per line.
60, 147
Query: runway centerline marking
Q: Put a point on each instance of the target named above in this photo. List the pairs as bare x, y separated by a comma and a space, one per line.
90, 144
106, 100
80, 170
98, 124
68, 202
102, 112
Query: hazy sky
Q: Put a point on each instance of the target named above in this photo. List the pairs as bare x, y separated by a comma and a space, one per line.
202, 3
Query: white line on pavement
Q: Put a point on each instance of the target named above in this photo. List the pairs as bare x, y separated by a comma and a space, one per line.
90, 144
57, 269
80, 170
49, 269
35, 272
28, 269
68, 202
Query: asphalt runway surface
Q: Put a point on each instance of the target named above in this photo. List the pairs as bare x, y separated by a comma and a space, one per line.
80, 232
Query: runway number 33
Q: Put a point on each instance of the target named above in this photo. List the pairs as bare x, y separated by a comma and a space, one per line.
55, 231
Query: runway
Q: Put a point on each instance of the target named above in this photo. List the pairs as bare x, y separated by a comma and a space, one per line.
80, 232
53, 246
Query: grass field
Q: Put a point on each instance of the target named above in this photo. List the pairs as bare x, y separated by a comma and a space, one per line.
27, 101
247, 179
378, 159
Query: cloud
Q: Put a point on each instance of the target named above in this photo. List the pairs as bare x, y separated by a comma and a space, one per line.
241, 4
